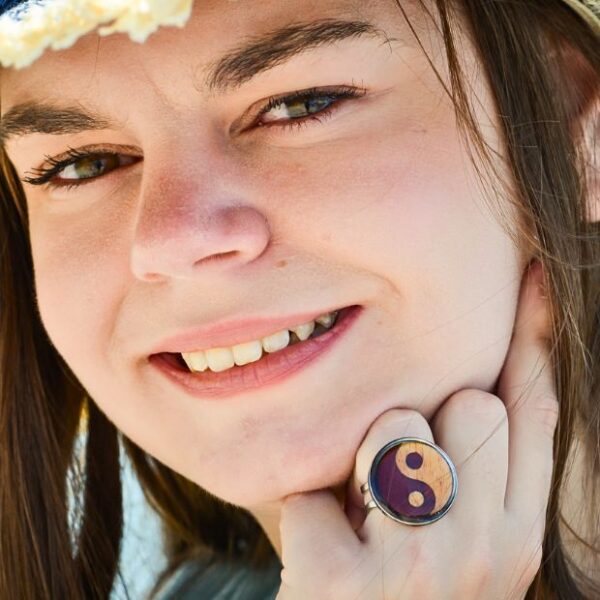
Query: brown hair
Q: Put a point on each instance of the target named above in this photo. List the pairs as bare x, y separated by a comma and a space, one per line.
543, 66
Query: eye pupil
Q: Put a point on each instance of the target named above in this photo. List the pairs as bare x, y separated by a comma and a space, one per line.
301, 107
80, 168
90, 166
318, 103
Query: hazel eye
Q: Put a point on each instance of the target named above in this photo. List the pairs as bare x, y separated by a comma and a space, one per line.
90, 167
297, 108
81, 168
302, 108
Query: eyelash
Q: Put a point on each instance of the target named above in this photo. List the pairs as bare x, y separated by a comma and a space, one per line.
72, 155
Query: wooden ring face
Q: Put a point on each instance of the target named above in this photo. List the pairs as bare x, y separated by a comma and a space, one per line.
413, 481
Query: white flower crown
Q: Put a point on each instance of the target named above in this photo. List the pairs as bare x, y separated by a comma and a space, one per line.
32, 26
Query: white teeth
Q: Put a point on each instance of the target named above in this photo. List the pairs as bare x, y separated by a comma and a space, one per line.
196, 361
326, 320
219, 359
304, 331
247, 353
276, 341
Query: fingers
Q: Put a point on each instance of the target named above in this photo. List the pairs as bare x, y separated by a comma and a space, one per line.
526, 385
502, 448
472, 427
316, 536
390, 425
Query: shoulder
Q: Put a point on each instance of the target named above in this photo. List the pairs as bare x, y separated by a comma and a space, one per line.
221, 582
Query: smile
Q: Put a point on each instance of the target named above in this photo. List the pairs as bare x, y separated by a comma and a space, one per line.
221, 359
215, 373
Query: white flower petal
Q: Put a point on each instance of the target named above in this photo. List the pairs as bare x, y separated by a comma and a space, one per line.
60, 23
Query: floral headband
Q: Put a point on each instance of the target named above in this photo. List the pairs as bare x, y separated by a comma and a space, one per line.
28, 27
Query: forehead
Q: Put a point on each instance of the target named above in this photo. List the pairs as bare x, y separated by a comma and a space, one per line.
213, 29
108, 82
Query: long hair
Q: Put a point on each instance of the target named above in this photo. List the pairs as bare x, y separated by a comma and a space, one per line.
527, 49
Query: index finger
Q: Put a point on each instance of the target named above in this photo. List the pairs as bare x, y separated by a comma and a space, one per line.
526, 385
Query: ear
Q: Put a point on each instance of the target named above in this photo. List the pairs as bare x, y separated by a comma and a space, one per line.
581, 85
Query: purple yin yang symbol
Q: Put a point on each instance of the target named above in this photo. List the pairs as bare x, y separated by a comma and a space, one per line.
396, 489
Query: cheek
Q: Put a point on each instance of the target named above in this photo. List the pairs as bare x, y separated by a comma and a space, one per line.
411, 217
81, 280
407, 221
78, 276
398, 199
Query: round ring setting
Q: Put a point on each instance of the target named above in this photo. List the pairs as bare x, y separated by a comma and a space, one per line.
412, 481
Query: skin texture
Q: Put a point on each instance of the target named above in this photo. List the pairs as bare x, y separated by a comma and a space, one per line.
378, 205
489, 545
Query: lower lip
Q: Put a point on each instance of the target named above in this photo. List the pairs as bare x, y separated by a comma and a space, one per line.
271, 369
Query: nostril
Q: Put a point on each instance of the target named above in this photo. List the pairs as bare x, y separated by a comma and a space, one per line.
151, 277
218, 257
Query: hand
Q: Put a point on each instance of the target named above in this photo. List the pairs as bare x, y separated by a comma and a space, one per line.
489, 544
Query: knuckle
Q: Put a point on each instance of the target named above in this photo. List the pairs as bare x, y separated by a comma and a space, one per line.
421, 560
417, 551
298, 507
478, 570
391, 418
391, 422
546, 409
477, 402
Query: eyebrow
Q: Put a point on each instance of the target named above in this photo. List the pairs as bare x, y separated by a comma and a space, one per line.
268, 50
42, 117
235, 68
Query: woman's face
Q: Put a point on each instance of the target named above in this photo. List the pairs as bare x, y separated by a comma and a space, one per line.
209, 216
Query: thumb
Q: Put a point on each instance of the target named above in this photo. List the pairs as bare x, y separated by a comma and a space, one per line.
316, 537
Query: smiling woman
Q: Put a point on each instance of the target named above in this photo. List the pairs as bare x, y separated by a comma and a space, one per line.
261, 246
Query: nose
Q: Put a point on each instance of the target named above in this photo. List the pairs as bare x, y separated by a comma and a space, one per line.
184, 230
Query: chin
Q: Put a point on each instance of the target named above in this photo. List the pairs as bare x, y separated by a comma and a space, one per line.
268, 489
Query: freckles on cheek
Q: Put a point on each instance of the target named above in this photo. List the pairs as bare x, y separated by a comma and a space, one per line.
404, 195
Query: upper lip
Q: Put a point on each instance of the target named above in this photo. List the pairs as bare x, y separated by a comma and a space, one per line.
236, 331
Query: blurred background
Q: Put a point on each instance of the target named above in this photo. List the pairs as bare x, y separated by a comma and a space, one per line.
142, 557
